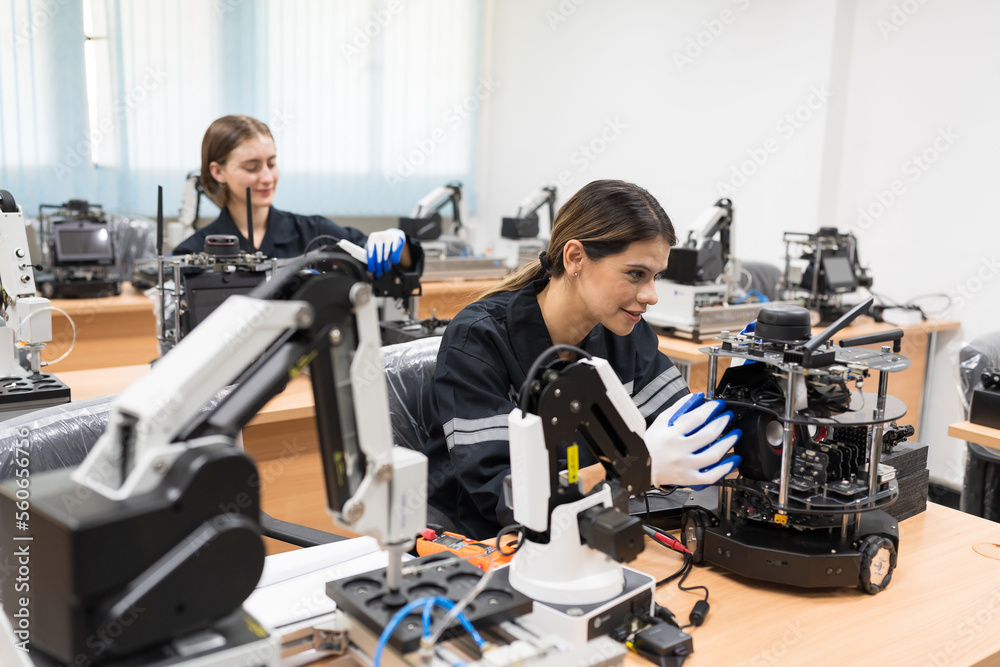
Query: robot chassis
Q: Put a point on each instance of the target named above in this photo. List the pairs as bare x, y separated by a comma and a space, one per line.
806, 507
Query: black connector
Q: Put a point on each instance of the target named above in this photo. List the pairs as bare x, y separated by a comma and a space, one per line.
699, 612
665, 615
611, 532
663, 644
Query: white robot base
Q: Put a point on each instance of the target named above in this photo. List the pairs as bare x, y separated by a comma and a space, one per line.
579, 623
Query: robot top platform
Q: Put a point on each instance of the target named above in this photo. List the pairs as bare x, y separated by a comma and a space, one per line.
847, 364
845, 358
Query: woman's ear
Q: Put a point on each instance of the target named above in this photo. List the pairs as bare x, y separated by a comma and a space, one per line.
573, 256
215, 169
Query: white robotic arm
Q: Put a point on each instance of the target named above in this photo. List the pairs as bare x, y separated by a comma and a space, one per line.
437, 199
585, 402
164, 514
28, 317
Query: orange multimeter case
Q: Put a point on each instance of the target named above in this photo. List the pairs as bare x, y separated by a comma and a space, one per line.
477, 553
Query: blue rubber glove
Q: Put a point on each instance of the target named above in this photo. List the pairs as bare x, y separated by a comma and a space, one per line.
747, 331
384, 250
685, 447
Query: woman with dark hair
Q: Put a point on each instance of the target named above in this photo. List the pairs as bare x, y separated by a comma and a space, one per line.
238, 152
590, 290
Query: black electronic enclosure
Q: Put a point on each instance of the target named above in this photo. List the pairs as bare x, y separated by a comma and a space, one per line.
425, 229
985, 407
520, 228
204, 292
690, 266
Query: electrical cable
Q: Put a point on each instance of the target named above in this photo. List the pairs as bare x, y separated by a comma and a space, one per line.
520, 538
317, 238
383, 639
529, 378
669, 578
441, 601
428, 604
462, 604
72, 325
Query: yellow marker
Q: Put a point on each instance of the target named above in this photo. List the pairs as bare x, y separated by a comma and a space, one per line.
780, 519
339, 467
254, 627
573, 463
300, 365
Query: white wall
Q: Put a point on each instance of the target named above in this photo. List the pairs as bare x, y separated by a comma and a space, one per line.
925, 86
569, 72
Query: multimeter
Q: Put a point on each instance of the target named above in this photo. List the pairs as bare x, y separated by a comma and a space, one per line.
477, 553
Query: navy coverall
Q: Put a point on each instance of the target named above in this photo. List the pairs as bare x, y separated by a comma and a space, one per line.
287, 234
485, 355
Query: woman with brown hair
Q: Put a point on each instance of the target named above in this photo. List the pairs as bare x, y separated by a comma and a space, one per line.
590, 290
238, 152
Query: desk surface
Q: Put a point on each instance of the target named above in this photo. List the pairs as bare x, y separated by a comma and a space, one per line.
129, 301
681, 349
942, 606
981, 435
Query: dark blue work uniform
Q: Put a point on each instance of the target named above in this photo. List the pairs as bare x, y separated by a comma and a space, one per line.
287, 235
485, 355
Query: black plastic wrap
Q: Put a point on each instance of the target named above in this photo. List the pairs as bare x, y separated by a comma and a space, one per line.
60, 436
135, 238
409, 371
56, 437
981, 487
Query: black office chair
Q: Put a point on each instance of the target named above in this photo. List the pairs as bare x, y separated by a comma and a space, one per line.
61, 437
409, 372
763, 277
981, 487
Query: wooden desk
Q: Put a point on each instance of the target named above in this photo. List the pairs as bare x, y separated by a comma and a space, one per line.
121, 330
447, 297
110, 331
917, 345
941, 608
980, 435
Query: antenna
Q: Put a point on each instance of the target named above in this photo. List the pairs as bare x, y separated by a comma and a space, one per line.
816, 341
159, 220
253, 248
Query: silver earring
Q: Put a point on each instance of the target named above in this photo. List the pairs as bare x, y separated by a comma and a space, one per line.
576, 273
